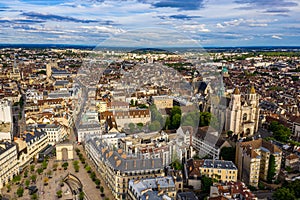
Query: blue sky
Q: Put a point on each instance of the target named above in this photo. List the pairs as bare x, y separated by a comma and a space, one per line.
165, 22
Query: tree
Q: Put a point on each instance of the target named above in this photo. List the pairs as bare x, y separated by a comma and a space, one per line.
8, 187
59, 193
206, 183
27, 183
177, 165
34, 196
88, 169
20, 191
167, 123
97, 182
102, 189
283, 194
140, 125
132, 102
271, 169
44, 164
32, 168
280, 132
175, 121
204, 119
54, 166
17, 179
33, 178
131, 127
228, 153
26, 173
93, 176
39, 171
154, 126
81, 195
65, 165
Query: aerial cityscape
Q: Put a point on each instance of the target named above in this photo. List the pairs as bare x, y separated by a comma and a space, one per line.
150, 100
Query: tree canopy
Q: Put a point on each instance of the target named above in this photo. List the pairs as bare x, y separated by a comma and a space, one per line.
280, 132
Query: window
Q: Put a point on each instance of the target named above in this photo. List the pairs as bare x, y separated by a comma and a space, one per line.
244, 116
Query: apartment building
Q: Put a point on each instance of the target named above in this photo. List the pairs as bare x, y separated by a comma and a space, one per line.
30, 143
220, 170
157, 188
9, 166
6, 121
118, 168
231, 190
162, 102
252, 159
89, 128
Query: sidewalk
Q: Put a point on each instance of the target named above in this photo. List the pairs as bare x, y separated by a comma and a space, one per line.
107, 191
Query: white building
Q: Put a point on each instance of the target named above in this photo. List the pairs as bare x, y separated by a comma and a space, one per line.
29, 145
55, 132
91, 128
6, 121
9, 166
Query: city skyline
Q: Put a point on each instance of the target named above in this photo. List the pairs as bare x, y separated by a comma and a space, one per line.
203, 23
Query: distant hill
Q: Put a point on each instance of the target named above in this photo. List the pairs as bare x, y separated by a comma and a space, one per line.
151, 50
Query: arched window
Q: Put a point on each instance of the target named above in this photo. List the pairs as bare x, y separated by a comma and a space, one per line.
244, 116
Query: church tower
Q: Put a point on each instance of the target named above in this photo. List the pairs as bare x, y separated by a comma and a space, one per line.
235, 111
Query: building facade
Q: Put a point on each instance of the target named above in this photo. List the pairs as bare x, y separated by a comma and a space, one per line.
9, 166
242, 114
117, 168
252, 159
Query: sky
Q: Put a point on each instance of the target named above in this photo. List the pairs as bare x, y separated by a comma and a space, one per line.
151, 22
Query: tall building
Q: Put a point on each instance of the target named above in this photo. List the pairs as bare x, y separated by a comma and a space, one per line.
118, 168
221, 170
242, 114
6, 121
156, 188
252, 159
9, 166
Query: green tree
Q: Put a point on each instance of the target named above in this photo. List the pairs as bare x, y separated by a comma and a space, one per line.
97, 182
81, 195
204, 119
27, 183
206, 183
20, 191
17, 179
32, 168
59, 193
102, 189
26, 173
280, 132
8, 187
155, 126
140, 125
33, 178
167, 123
132, 102
228, 153
175, 121
44, 164
271, 169
131, 127
34, 196
88, 169
284, 194
39, 171
65, 165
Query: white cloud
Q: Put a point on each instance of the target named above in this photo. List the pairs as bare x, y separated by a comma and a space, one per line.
277, 37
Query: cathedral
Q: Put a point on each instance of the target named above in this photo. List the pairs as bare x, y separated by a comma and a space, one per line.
242, 113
